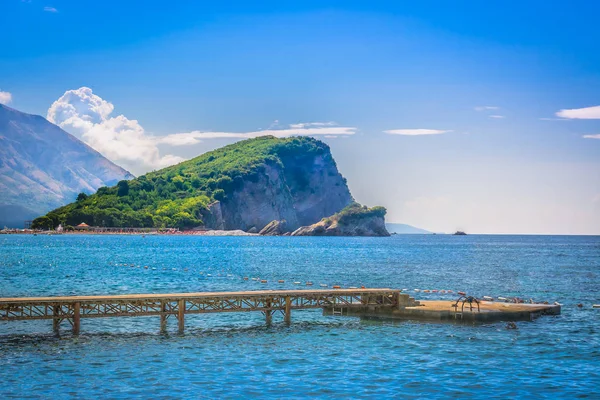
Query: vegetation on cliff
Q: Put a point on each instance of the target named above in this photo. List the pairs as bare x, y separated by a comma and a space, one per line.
179, 196
355, 212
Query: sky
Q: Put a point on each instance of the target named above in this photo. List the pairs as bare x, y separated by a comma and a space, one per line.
475, 116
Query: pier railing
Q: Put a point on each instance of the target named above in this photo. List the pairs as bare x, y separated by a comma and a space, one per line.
74, 308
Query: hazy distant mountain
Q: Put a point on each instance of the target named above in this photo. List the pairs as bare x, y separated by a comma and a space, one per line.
404, 229
43, 167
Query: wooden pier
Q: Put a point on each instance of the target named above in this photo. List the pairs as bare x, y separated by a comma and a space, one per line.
75, 308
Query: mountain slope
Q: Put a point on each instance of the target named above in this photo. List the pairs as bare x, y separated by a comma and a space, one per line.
405, 229
43, 167
241, 186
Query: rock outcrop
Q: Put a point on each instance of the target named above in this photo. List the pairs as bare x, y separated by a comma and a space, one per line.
355, 220
274, 228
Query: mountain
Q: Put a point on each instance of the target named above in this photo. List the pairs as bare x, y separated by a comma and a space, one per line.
246, 186
43, 167
404, 229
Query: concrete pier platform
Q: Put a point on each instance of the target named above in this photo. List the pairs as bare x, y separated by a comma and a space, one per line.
444, 310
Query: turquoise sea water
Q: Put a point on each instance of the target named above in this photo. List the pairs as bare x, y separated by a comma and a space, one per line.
236, 356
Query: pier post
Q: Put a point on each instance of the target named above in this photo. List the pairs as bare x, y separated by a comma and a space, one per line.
181, 316
163, 316
397, 300
76, 317
268, 312
364, 299
288, 310
55, 320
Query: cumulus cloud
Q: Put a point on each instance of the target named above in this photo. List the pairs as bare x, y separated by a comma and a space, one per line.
415, 132
125, 142
50, 9
5, 97
486, 108
120, 139
596, 136
580, 113
301, 129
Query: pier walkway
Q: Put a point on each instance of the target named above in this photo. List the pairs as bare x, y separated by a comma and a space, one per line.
74, 308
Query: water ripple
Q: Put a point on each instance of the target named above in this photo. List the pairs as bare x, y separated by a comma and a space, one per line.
236, 356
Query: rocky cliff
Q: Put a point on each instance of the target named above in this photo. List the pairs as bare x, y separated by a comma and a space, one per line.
354, 220
43, 167
301, 189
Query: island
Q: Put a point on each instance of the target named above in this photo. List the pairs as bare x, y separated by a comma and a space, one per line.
265, 185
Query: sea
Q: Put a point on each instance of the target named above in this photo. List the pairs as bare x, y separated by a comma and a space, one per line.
235, 355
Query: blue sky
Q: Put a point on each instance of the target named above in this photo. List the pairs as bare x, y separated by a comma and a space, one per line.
488, 78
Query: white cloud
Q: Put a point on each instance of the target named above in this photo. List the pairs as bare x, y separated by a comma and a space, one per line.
302, 129
120, 139
311, 125
596, 136
554, 119
50, 9
125, 142
415, 132
5, 97
168, 160
497, 116
580, 113
486, 108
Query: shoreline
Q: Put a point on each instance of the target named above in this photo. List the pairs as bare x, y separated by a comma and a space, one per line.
153, 233
242, 233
